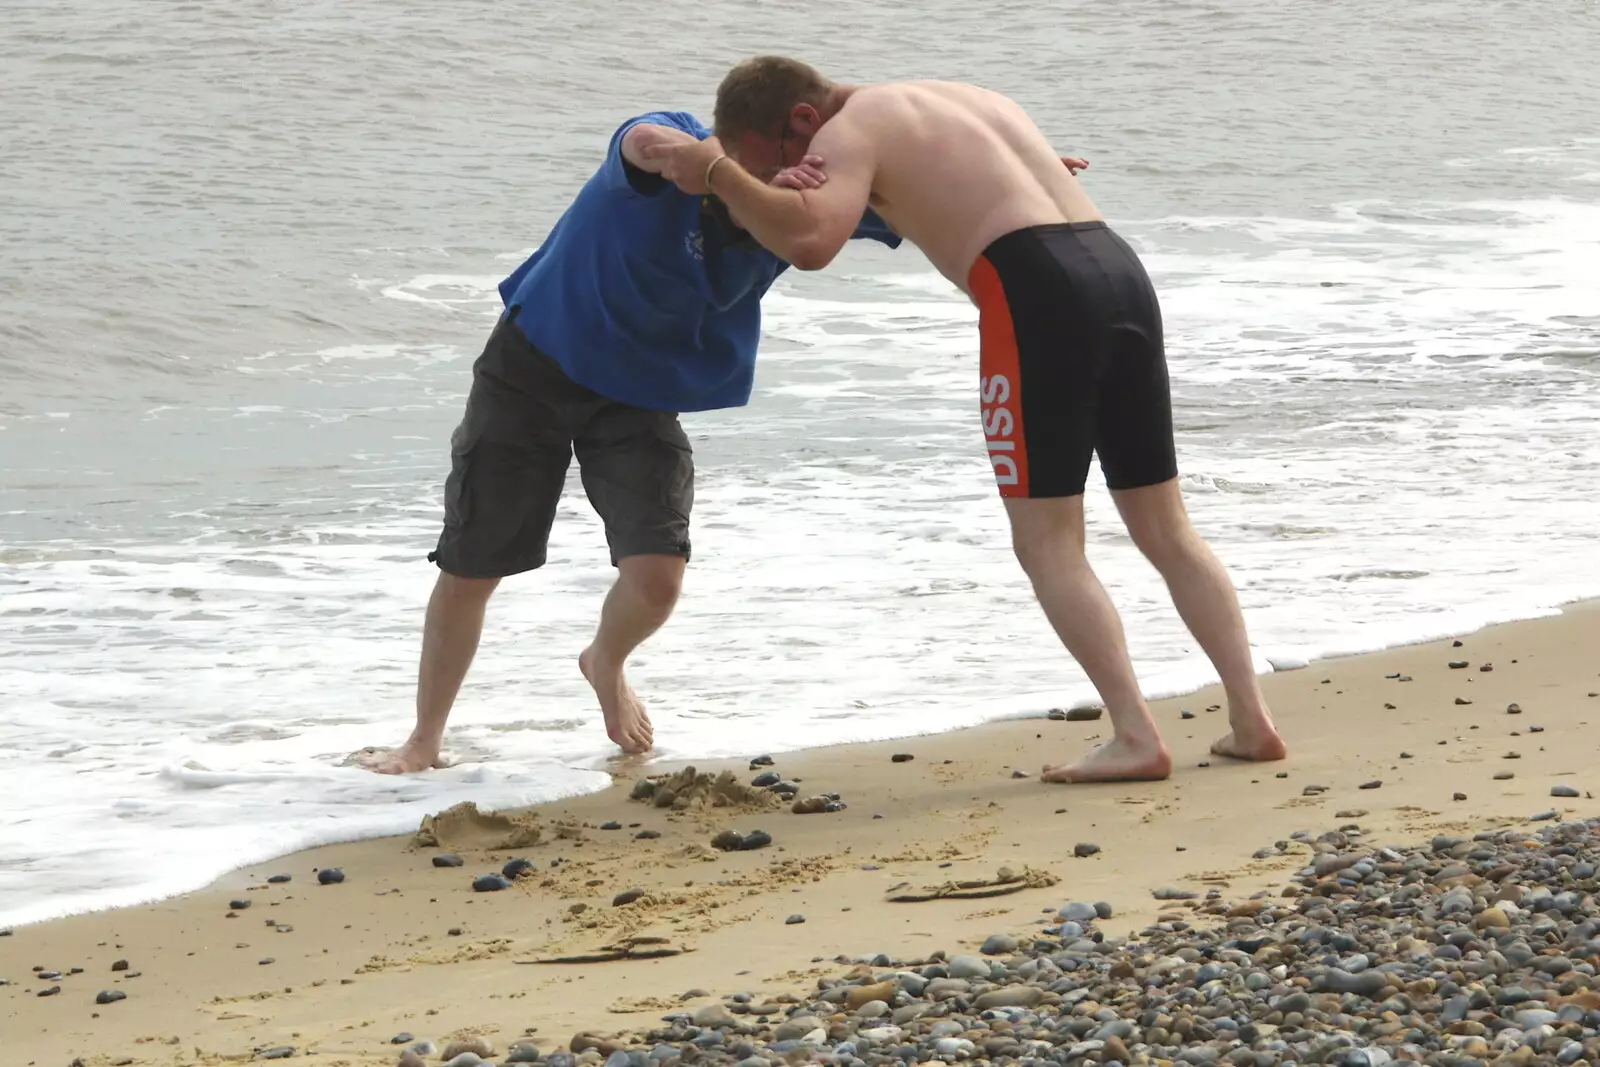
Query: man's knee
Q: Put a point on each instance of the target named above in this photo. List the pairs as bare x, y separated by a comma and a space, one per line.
655, 580
1159, 524
1169, 546
1046, 533
455, 588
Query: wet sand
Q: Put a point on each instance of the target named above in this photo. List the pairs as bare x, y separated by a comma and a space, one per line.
402, 946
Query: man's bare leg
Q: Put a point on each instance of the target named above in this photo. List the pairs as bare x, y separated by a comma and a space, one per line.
1048, 538
641, 600
1206, 601
450, 635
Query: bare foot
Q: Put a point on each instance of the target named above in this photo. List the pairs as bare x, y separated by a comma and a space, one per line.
407, 759
627, 723
1260, 744
1117, 760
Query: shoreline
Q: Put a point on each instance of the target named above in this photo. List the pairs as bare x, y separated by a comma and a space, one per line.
1273, 663
377, 953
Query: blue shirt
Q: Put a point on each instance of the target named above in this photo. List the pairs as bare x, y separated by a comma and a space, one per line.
647, 295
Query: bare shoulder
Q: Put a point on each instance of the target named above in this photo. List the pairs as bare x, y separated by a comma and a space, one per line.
873, 103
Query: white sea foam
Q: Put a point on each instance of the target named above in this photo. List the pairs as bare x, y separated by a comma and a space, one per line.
1407, 453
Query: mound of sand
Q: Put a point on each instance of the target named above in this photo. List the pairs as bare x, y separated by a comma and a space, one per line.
464, 827
690, 789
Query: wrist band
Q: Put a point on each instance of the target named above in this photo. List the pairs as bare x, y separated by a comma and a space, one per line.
712, 167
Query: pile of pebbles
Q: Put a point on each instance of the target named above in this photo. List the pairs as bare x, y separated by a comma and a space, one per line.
1459, 952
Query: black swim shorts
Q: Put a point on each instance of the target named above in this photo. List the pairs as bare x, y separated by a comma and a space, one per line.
1072, 362
525, 420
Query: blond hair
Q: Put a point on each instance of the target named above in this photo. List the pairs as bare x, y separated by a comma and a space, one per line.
757, 95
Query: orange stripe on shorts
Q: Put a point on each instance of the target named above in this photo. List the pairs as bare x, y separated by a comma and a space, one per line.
999, 381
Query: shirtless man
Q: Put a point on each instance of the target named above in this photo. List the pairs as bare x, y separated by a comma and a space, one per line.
1071, 357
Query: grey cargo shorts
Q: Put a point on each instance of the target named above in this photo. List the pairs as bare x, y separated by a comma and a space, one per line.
525, 420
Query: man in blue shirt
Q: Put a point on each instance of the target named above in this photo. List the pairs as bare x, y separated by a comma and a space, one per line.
641, 303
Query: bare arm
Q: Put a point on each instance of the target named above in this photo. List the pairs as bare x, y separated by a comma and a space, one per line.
638, 141
807, 227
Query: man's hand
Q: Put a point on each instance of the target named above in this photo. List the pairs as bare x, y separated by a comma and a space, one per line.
684, 163
807, 174
1074, 164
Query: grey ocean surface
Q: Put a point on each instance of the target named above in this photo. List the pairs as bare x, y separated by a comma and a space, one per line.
248, 251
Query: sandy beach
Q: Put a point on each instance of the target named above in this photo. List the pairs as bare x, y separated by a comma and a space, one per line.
1403, 745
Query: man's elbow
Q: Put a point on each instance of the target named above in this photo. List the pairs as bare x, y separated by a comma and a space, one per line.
634, 142
812, 254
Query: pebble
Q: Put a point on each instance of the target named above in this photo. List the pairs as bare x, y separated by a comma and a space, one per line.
1085, 714
240, 904
765, 781
478, 1046
1374, 784
1084, 849
644, 835
1458, 664
523, 1052
999, 945
120, 965
627, 896
1462, 952
1170, 893
326, 876
612, 825
517, 868
402, 1039
409, 1058
901, 757
110, 996
1563, 791
280, 879
968, 967
1513, 709
761, 761
277, 1052
489, 883
1185, 714
448, 859
714, 1015
794, 920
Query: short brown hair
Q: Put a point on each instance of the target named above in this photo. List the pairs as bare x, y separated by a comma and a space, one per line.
758, 94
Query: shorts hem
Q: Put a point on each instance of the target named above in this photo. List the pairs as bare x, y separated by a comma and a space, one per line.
1140, 483
680, 549
456, 569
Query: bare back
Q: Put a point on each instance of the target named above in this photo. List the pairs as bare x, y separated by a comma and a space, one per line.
959, 166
